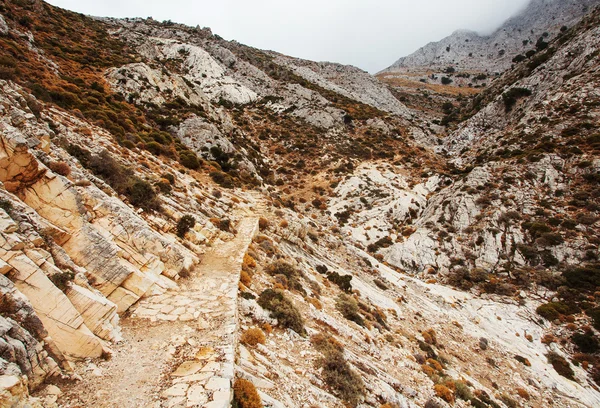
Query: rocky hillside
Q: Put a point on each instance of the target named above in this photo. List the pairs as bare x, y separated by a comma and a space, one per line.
187, 221
470, 60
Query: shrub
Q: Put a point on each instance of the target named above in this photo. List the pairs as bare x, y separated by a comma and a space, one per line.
348, 307
431, 403
342, 281
169, 177
446, 81
155, 148
184, 224
595, 315
384, 242
523, 360
463, 391
292, 274
245, 394
164, 186
444, 393
510, 97
222, 179
248, 263
245, 278
523, 394
80, 154
247, 295
547, 312
508, 401
429, 336
322, 269
263, 223
338, 375
550, 239
380, 284
561, 365
325, 344
189, 159
282, 309
141, 194
253, 336
586, 342
62, 280
60, 167
6, 205
583, 277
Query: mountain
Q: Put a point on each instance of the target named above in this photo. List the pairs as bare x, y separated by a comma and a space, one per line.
470, 60
188, 221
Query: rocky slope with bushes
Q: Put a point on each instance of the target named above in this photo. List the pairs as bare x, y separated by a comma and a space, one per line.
399, 262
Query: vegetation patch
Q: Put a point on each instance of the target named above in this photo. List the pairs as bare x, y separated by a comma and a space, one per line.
245, 395
184, 224
336, 371
282, 309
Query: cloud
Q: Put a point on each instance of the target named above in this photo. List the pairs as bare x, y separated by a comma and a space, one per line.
369, 34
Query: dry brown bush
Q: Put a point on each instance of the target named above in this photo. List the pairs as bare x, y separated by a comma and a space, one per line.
253, 336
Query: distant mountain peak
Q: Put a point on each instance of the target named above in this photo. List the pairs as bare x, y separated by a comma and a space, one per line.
494, 52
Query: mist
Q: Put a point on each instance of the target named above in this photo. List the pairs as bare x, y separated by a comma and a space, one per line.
368, 34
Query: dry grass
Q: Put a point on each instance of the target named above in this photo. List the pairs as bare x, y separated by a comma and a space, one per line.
253, 336
245, 394
245, 278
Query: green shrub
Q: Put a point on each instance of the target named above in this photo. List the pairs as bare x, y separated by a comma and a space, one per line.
154, 148
552, 310
108, 169
550, 239
584, 277
81, 154
189, 159
164, 186
338, 375
342, 281
510, 97
586, 342
184, 224
384, 242
348, 307
141, 194
282, 309
222, 179
595, 316
62, 280
561, 365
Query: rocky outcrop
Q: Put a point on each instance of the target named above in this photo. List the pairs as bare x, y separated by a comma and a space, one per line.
203, 79
71, 258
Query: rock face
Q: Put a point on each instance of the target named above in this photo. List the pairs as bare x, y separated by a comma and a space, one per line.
55, 235
469, 51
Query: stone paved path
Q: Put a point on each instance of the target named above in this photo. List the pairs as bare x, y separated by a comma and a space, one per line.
179, 347
208, 302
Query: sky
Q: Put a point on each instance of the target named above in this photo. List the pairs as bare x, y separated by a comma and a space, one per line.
370, 34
